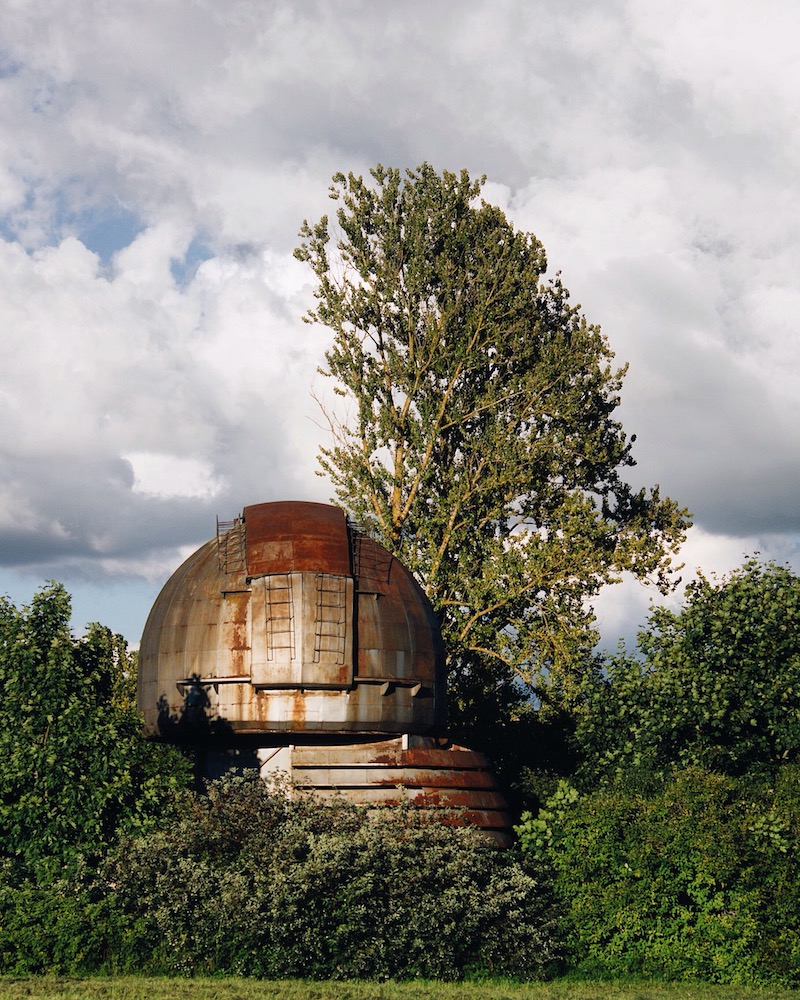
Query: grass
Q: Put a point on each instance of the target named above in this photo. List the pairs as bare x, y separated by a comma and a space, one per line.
132, 988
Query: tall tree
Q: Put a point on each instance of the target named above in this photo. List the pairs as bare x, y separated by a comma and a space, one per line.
479, 441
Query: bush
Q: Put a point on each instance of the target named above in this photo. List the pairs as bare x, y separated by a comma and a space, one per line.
256, 883
76, 769
694, 881
716, 685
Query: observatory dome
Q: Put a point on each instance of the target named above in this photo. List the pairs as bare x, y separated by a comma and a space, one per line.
294, 643
292, 620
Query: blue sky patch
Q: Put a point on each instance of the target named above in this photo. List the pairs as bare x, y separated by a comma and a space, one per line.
106, 231
184, 269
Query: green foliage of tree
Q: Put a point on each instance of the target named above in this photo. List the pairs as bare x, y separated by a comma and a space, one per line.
50, 925
74, 768
480, 439
695, 879
716, 684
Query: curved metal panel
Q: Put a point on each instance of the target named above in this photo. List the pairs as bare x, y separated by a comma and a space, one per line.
453, 784
268, 643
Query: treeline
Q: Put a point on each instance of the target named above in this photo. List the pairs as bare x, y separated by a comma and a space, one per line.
660, 840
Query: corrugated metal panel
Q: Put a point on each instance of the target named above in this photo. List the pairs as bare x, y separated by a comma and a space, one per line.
302, 630
372, 564
454, 784
273, 629
292, 536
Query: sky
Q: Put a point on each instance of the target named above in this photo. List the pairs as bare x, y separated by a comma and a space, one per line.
159, 157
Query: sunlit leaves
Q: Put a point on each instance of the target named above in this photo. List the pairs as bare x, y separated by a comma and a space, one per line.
717, 684
481, 443
694, 878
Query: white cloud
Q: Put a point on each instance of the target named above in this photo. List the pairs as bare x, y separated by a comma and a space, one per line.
167, 476
623, 609
653, 149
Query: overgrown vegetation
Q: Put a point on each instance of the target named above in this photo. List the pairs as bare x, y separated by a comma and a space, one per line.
108, 862
252, 882
674, 843
716, 685
672, 856
75, 771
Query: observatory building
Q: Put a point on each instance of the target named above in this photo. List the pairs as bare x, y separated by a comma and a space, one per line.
295, 642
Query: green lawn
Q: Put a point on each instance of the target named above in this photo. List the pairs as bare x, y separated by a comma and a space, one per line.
129, 988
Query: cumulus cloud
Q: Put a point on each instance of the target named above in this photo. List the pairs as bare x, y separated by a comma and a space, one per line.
158, 161
132, 410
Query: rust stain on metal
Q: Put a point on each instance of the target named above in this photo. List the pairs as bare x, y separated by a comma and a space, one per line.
290, 536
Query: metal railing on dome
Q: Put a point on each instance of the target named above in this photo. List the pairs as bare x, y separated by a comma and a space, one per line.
371, 562
231, 548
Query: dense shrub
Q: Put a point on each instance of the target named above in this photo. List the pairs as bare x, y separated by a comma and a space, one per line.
75, 773
108, 863
41, 926
75, 767
256, 883
694, 880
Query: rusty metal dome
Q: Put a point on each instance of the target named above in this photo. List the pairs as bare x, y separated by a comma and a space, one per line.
293, 642
292, 620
